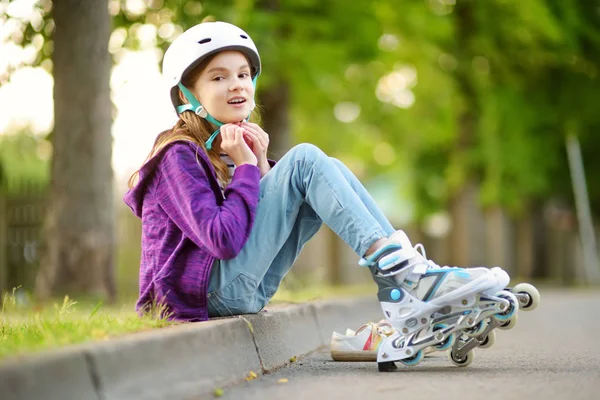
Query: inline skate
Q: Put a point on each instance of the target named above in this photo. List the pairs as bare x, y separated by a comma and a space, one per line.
433, 306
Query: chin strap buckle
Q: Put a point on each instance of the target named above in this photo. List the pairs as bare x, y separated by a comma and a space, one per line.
201, 111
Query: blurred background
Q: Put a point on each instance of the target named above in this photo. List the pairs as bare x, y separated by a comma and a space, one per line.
474, 124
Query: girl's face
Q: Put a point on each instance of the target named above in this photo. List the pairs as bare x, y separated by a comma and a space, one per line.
225, 87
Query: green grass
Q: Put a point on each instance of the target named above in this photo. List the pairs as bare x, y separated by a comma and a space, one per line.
26, 328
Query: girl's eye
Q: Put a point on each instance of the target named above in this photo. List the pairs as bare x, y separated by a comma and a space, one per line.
244, 75
218, 78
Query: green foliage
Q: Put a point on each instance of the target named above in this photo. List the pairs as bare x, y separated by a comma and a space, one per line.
520, 72
23, 158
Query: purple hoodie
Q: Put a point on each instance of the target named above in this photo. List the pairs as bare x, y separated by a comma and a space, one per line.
187, 224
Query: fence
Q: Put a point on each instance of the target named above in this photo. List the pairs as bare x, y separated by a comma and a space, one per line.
21, 219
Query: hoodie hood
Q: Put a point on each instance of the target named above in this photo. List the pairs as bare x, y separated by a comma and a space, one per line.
134, 197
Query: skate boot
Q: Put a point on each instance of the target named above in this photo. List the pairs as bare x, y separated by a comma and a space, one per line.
429, 305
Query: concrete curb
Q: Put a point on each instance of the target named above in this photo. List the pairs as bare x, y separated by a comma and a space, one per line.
36, 377
285, 333
182, 361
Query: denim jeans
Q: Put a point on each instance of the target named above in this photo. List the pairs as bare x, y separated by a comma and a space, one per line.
303, 190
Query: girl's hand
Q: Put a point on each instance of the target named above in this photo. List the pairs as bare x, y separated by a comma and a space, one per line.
233, 143
260, 144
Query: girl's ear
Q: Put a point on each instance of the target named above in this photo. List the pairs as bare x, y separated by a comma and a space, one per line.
182, 98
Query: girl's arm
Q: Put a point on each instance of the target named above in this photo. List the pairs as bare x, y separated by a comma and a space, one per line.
185, 193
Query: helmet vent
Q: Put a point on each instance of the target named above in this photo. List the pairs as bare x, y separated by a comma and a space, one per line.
244, 36
205, 40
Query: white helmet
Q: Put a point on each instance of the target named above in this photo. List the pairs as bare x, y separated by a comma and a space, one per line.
199, 42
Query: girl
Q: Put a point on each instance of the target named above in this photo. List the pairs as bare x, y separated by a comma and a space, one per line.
222, 224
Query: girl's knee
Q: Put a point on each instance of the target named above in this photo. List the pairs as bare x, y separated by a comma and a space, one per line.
337, 162
306, 151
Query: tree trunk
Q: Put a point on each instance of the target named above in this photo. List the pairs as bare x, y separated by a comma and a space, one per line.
275, 117
541, 238
78, 256
525, 244
459, 250
275, 99
458, 240
495, 241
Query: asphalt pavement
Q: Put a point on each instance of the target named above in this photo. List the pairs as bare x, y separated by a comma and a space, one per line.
552, 353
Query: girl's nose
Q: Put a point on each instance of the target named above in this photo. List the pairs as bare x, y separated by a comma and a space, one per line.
235, 85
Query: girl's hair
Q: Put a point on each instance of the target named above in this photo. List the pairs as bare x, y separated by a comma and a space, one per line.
191, 128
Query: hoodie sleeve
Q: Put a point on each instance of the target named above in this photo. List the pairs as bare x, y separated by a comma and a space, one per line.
185, 194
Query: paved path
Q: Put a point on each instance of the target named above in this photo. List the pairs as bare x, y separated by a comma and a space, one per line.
552, 353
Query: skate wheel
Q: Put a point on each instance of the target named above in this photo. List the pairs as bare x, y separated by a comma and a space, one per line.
488, 341
446, 343
509, 324
512, 309
530, 296
387, 366
476, 330
414, 360
465, 361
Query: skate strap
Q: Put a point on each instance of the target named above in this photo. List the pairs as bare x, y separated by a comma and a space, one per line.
395, 258
415, 274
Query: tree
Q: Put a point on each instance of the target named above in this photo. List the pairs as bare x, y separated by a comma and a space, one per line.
79, 232
493, 86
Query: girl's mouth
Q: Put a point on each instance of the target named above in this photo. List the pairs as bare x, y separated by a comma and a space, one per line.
237, 101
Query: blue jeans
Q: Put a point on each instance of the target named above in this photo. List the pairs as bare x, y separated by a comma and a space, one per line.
303, 190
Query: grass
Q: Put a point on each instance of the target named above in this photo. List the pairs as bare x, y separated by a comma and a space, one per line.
26, 328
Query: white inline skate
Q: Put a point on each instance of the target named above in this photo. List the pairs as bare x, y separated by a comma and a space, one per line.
429, 305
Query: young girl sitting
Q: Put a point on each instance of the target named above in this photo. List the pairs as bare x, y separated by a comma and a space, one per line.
222, 225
